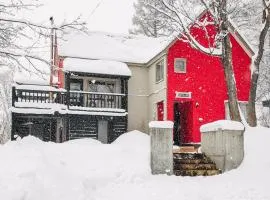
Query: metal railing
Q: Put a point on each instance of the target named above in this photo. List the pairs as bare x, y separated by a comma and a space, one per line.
71, 98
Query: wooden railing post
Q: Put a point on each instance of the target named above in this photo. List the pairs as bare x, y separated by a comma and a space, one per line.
124, 90
68, 89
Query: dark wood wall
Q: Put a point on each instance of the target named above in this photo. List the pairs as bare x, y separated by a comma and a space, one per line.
75, 126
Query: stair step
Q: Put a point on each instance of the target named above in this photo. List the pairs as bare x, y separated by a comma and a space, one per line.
188, 156
200, 166
185, 149
196, 172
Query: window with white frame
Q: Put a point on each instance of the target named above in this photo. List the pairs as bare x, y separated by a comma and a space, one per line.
180, 65
242, 106
160, 71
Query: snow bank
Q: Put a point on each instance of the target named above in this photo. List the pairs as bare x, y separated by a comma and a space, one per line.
134, 139
86, 169
223, 125
107, 46
97, 66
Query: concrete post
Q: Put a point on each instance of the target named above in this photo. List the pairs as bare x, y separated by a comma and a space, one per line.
223, 142
161, 137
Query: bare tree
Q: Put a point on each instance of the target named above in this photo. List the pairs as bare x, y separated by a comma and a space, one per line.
15, 30
19, 40
252, 118
6, 78
148, 21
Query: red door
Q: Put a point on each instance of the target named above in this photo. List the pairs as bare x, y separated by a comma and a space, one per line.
186, 121
183, 122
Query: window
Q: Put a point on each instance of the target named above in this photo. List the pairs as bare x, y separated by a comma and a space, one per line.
101, 87
76, 99
160, 71
180, 65
160, 111
243, 107
99, 99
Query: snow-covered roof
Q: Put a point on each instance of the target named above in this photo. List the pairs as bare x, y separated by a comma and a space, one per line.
107, 46
97, 66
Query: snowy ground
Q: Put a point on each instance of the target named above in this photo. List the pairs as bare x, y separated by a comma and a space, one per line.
86, 169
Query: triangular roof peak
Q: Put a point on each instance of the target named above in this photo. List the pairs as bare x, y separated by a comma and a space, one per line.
240, 38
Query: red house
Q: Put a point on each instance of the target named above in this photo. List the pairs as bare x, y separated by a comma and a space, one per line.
196, 83
118, 83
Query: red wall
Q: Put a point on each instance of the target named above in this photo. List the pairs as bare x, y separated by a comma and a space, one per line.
205, 79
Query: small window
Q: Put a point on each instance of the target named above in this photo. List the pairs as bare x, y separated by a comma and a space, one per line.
160, 71
160, 111
180, 65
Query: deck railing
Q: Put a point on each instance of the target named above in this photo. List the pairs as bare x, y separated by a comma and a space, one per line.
71, 98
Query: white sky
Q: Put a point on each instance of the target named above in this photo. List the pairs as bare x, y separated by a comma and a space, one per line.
111, 15
114, 16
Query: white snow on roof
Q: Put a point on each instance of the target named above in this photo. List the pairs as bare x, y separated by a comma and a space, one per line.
97, 66
223, 125
161, 124
39, 87
106, 46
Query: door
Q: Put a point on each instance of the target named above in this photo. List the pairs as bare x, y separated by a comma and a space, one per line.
103, 131
183, 122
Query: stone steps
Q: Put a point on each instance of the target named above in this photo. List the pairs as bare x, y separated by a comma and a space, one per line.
194, 164
196, 172
204, 166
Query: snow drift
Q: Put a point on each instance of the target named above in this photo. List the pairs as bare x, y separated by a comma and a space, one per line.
86, 169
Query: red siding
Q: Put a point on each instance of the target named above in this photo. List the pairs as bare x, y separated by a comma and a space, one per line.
205, 79
61, 76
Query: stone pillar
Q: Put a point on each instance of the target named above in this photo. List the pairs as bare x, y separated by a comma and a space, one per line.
161, 137
223, 142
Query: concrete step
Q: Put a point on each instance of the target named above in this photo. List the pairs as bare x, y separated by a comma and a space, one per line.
188, 156
185, 149
193, 161
196, 172
194, 164
204, 166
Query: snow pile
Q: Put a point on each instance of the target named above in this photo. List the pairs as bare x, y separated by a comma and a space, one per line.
107, 46
97, 66
86, 169
223, 125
